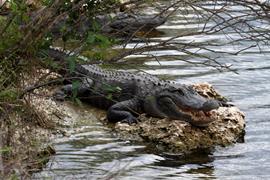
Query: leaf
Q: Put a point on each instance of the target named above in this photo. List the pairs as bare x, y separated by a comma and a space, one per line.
104, 41
5, 150
111, 89
8, 95
75, 87
79, 102
71, 63
46, 2
90, 39
118, 88
13, 6
95, 25
109, 96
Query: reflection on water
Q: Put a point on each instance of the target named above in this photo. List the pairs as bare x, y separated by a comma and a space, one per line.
94, 152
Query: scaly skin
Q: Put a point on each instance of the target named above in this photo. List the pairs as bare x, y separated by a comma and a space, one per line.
126, 95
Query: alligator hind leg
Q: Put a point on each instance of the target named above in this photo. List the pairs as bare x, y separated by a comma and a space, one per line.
124, 111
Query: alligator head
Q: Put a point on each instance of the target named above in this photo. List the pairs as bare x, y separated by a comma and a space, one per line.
181, 102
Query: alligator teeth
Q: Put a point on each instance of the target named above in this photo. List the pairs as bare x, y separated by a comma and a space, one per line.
199, 116
207, 113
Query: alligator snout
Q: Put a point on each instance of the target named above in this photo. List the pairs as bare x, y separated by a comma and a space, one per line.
210, 105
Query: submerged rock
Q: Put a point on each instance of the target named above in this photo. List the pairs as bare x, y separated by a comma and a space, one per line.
180, 136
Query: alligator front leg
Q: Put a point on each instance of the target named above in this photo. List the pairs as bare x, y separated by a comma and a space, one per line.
82, 90
124, 111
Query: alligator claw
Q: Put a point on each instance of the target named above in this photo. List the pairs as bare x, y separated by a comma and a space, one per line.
225, 104
130, 120
59, 96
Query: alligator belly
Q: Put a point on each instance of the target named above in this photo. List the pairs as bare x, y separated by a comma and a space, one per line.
98, 101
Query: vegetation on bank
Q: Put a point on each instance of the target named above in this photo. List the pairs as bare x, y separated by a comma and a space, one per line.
23, 37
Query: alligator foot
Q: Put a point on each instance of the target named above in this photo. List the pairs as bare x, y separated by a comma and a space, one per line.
59, 95
225, 104
130, 120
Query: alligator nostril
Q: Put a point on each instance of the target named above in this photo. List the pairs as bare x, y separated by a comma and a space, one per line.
209, 105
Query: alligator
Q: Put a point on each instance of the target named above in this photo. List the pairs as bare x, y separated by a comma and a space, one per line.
119, 24
126, 95
129, 23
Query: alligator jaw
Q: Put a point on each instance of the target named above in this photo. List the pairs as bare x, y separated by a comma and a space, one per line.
199, 118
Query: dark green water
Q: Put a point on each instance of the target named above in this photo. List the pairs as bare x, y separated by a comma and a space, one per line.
95, 153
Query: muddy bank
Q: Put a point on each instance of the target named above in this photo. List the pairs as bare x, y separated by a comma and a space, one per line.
29, 125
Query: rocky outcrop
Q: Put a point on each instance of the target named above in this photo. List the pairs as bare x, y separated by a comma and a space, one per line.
180, 136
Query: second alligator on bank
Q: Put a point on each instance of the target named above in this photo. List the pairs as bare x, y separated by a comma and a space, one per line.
126, 95
122, 24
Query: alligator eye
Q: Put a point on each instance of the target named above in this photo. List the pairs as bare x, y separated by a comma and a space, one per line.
190, 89
180, 91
